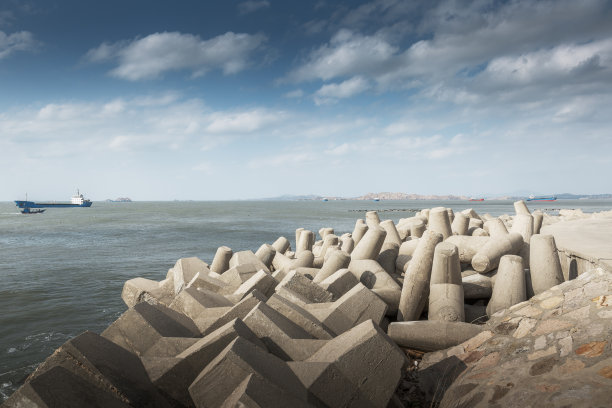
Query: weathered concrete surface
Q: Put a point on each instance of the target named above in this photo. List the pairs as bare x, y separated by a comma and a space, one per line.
550, 351
430, 335
583, 244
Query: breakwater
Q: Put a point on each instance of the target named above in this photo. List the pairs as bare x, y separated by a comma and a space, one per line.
339, 283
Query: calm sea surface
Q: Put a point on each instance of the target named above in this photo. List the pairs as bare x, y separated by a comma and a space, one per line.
62, 272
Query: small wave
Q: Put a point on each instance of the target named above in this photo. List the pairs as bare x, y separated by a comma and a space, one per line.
11, 350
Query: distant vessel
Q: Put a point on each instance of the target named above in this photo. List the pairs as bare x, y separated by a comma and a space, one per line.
542, 198
27, 210
376, 199
75, 201
325, 199
476, 199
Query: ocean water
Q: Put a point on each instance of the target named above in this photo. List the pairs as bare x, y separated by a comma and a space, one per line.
62, 272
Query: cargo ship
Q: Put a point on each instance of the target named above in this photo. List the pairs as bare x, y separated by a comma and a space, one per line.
542, 198
75, 201
476, 199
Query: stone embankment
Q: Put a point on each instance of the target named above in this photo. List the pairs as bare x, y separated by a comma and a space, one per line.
499, 312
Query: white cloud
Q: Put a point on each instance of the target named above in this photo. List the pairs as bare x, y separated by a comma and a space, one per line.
152, 56
19, 41
250, 6
330, 93
295, 94
243, 121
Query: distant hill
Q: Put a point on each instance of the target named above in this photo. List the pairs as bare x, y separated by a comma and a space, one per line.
120, 200
405, 196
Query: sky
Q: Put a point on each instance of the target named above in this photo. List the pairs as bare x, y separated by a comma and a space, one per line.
210, 100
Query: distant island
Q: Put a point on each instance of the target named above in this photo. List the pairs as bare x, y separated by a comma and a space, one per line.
120, 200
384, 196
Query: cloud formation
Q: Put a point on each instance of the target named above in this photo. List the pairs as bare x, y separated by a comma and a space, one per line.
156, 54
19, 41
331, 93
250, 6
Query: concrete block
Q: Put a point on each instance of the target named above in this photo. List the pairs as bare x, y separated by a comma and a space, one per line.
391, 230
347, 244
471, 213
238, 311
281, 245
415, 290
194, 302
388, 256
277, 332
105, 366
238, 274
141, 326
431, 335
439, 222
339, 282
212, 315
417, 229
475, 313
221, 260
143, 290
239, 360
174, 379
325, 381
496, 228
368, 358
538, 217
521, 208
210, 283
523, 224
544, 265
306, 241
446, 290
185, 269
247, 257
169, 347
487, 258
301, 317
307, 290
266, 254
336, 261
460, 224
325, 231
372, 219
374, 277
477, 286
306, 272
257, 392
261, 281
369, 246
404, 255
359, 231
59, 387
509, 288
284, 264
477, 232
467, 246
475, 223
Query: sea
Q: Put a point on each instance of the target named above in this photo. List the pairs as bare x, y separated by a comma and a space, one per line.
62, 272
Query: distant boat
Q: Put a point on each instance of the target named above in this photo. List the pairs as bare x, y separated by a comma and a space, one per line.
476, 199
542, 198
27, 210
75, 201
325, 199
376, 199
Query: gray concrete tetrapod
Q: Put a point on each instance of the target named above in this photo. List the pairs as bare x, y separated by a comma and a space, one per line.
439, 222
467, 245
451, 215
478, 232
509, 288
306, 241
221, 260
523, 224
521, 208
475, 223
347, 244
415, 290
359, 231
488, 257
460, 224
281, 245
329, 241
266, 254
544, 265
372, 219
417, 229
392, 234
404, 255
324, 231
298, 232
446, 288
369, 246
495, 228
425, 213
388, 256
336, 261
538, 217
471, 213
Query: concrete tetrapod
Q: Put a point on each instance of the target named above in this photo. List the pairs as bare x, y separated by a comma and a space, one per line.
460, 224
359, 230
487, 258
391, 230
336, 261
415, 290
427, 335
523, 224
306, 241
439, 222
496, 228
544, 265
521, 208
446, 289
406, 250
266, 254
388, 256
509, 288
372, 220
467, 246
369, 246
221, 260
347, 244
281, 245
538, 217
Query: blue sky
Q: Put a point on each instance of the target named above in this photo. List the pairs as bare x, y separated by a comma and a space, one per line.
247, 99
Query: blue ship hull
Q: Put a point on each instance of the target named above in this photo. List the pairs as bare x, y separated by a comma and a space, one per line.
553, 198
32, 204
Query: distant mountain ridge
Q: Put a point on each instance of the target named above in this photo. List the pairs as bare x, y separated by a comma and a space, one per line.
406, 196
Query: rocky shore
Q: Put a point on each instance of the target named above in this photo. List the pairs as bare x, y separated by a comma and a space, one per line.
442, 308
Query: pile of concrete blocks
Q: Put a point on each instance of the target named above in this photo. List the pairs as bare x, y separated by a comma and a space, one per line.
321, 325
